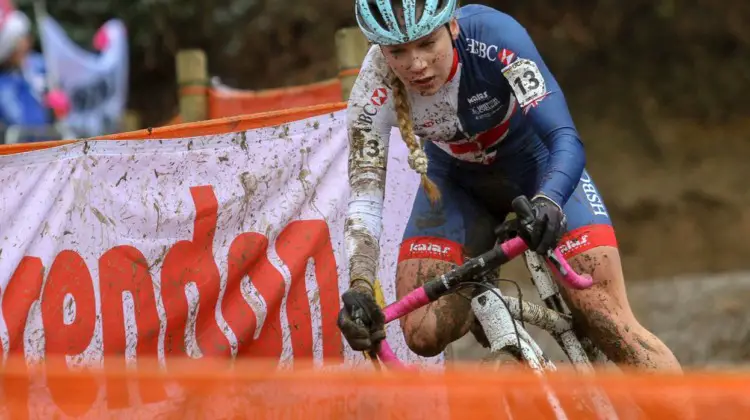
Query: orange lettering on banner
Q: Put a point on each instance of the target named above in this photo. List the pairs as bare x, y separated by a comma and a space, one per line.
270, 284
23, 289
69, 330
69, 276
247, 256
299, 242
125, 269
193, 262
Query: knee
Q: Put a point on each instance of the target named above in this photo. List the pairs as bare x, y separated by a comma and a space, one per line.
423, 338
614, 332
428, 330
603, 322
429, 333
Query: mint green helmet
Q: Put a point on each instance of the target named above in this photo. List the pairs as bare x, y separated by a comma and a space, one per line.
378, 22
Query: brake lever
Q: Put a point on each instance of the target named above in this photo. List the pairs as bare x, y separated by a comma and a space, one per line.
357, 315
524, 212
551, 256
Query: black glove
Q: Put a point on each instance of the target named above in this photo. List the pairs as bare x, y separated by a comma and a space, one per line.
360, 320
547, 228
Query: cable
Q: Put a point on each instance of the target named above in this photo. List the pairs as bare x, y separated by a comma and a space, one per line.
515, 327
520, 298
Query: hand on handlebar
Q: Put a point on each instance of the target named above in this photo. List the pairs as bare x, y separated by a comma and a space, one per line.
541, 223
361, 320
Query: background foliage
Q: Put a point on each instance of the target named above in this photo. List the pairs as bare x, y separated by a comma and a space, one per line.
658, 89
690, 57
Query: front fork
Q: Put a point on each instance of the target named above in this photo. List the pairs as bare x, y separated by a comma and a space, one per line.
550, 294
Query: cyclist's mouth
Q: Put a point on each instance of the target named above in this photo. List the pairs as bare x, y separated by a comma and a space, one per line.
423, 82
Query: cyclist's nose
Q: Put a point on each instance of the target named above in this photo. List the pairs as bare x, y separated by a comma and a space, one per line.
418, 64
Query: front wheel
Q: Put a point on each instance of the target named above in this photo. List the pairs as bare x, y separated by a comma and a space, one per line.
499, 360
537, 402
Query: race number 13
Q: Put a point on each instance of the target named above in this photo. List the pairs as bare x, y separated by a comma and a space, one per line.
526, 81
370, 154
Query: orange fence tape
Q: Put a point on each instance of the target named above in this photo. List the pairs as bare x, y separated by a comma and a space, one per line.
201, 128
254, 389
231, 102
237, 102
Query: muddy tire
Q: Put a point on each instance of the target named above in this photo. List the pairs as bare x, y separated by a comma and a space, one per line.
501, 360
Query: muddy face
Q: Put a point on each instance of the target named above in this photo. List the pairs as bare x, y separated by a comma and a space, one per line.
423, 65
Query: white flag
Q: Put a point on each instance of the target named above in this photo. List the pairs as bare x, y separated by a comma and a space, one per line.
96, 84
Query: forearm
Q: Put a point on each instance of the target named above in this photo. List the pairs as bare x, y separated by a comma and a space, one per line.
567, 160
369, 127
364, 223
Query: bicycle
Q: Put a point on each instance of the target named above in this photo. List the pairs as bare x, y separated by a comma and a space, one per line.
502, 317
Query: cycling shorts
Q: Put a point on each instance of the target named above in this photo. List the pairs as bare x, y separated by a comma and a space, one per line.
476, 198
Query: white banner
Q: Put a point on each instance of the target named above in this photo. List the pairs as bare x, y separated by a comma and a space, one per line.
96, 84
228, 245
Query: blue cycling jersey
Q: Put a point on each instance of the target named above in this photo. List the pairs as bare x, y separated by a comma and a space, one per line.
494, 44
499, 98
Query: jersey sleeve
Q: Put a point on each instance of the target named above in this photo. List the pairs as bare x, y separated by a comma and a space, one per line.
543, 103
369, 121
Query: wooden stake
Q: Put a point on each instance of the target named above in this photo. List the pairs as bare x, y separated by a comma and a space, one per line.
351, 48
192, 82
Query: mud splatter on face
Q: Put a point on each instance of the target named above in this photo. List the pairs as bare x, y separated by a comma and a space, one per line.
424, 64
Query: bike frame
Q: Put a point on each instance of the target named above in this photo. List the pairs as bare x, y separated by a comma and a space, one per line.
499, 315
496, 320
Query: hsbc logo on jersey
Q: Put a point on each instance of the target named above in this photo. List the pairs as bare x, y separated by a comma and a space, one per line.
379, 97
506, 56
490, 52
479, 48
365, 117
592, 195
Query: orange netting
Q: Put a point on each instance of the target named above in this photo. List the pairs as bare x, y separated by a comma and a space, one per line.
243, 389
224, 103
227, 102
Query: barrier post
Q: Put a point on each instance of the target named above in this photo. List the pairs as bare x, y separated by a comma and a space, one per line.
351, 48
192, 84
131, 120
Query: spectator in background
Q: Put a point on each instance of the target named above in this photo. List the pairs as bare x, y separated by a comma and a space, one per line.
24, 100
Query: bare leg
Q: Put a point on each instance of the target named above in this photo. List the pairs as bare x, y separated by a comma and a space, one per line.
607, 317
430, 329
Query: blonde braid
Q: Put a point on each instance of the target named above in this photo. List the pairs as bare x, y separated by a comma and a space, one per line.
417, 156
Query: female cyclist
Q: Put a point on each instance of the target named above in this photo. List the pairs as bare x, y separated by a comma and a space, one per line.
492, 124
